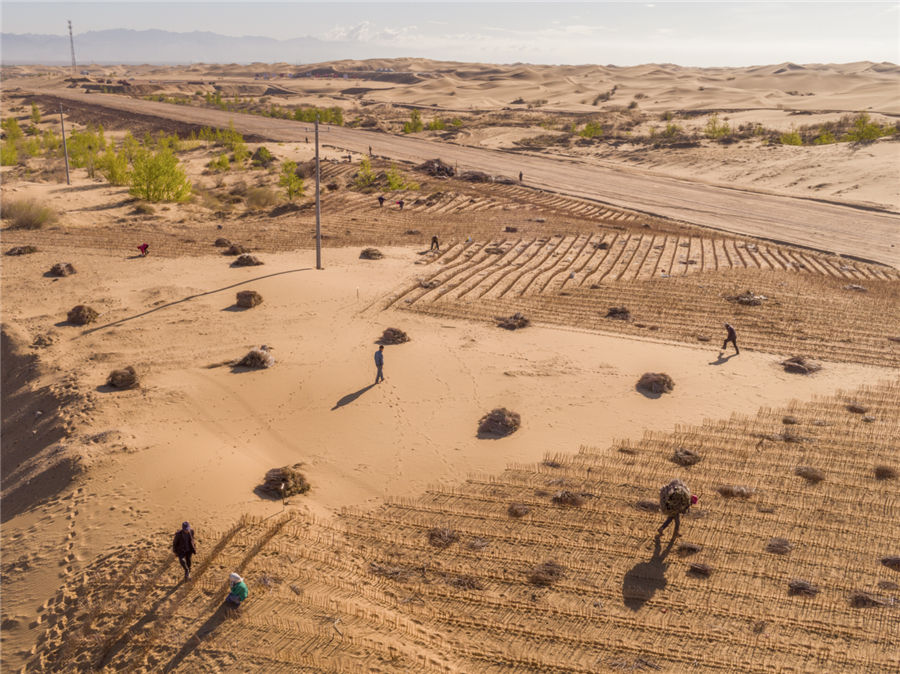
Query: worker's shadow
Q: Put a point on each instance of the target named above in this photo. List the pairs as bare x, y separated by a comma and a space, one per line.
722, 359
644, 579
225, 612
350, 397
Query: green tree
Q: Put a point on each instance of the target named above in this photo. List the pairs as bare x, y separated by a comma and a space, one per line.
397, 181
35, 113
865, 130
716, 130
114, 166
219, 164
825, 137
365, 177
415, 123
9, 155
50, 141
592, 130
12, 130
156, 176
791, 138
290, 181
437, 124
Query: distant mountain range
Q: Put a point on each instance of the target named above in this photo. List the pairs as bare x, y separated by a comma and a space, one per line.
165, 47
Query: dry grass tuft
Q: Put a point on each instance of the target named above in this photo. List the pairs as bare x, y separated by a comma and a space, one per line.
81, 314
465, 583
802, 588
856, 408
261, 197
233, 248
810, 474
290, 476
28, 214
685, 457
800, 365
547, 573
247, 261
568, 498
392, 336
442, 537
371, 254
397, 573
618, 313
883, 472
248, 299
498, 423
656, 382
779, 546
861, 599
700, 569
518, 510
62, 269
257, 358
123, 379
735, 491
477, 543
22, 250
891, 562
747, 299
514, 322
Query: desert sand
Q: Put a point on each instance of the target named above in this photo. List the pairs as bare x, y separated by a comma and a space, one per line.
403, 555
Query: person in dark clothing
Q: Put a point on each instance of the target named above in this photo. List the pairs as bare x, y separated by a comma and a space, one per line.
732, 337
183, 546
379, 364
400, 204
676, 517
434, 244
381, 200
520, 176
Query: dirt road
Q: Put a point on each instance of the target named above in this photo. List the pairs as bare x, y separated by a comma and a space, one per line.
847, 230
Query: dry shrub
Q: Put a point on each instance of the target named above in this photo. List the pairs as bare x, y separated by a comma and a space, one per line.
568, 498
810, 474
779, 546
233, 248
62, 269
788, 420
222, 242
735, 491
412, 232
436, 168
442, 537
22, 250
618, 313
257, 358
511, 230
123, 379
248, 299
856, 408
674, 498
518, 510
687, 549
514, 322
81, 314
430, 284
700, 569
656, 382
397, 573
370, 254
493, 250
392, 336
861, 599
465, 583
27, 214
685, 457
143, 208
261, 197
477, 543
704, 338
499, 422
885, 473
800, 365
747, 299
247, 261
891, 562
802, 588
547, 573
290, 476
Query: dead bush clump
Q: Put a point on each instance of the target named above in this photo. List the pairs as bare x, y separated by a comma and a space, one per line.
28, 215
247, 261
442, 537
685, 457
477, 543
82, 314
124, 378
393, 336
233, 248
465, 583
568, 498
290, 477
800, 365
222, 243
885, 473
499, 423
618, 313
547, 573
397, 573
248, 299
704, 338
687, 549
257, 358
436, 168
891, 562
62, 269
856, 408
747, 299
518, 510
371, 254
656, 382
735, 491
779, 546
802, 588
514, 322
789, 420
861, 599
22, 250
261, 197
699, 569
810, 474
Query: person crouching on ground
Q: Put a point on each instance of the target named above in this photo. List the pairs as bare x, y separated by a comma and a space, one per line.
238, 592
183, 546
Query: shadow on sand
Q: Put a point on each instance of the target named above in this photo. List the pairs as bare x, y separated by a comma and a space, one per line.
225, 612
350, 397
644, 579
722, 359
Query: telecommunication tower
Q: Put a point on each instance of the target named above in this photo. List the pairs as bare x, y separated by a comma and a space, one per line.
72, 46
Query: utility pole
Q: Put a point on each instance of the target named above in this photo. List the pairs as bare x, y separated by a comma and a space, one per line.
72, 46
318, 203
62, 124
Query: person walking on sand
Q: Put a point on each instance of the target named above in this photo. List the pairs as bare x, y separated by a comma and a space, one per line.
731, 337
434, 244
381, 200
144, 248
520, 176
379, 364
675, 499
400, 204
183, 546
238, 591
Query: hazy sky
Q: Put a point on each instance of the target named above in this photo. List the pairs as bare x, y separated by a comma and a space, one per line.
623, 33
